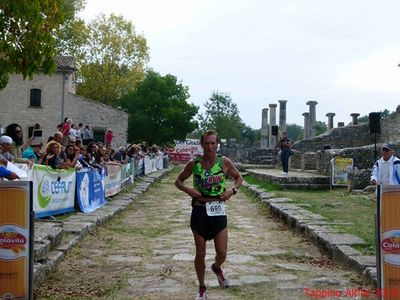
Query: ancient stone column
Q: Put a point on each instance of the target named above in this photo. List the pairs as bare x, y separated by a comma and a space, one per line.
306, 125
354, 117
264, 129
272, 122
340, 124
282, 115
330, 120
311, 127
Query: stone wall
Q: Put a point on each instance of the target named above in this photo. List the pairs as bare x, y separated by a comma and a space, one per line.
338, 138
98, 115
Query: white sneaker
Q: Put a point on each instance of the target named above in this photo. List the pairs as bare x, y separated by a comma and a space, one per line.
284, 173
202, 295
223, 280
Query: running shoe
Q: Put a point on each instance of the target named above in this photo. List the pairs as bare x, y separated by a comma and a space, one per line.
223, 280
202, 295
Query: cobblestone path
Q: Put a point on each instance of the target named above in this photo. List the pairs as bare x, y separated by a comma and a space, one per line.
147, 252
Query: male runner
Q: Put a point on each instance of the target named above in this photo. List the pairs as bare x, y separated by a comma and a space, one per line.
209, 193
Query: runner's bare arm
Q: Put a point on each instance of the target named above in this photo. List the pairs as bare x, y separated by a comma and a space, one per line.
231, 170
180, 181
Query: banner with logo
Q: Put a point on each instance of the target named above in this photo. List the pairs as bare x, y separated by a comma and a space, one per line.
388, 256
90, 189
341, 168
112, 179
127, 172
184, 151
16, 240
53, 190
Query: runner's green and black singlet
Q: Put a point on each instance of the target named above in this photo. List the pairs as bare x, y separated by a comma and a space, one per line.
209, 182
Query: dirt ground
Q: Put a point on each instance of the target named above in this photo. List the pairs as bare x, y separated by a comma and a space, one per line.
147, 252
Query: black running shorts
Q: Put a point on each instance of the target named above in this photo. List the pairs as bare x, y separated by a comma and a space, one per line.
204, 225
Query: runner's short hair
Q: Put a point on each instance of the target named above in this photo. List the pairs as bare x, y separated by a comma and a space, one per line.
207, 133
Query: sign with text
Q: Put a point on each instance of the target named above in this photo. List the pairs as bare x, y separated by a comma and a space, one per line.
388, 256
16, 240
185, 150
90, 189
53, 190
341, 168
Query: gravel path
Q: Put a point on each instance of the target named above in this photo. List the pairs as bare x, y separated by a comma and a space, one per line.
147, 252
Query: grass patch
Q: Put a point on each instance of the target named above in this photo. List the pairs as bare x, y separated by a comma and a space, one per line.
352, 214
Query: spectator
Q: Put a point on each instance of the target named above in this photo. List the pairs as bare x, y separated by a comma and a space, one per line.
121, 156
5, 149
65, 130
109, 137
58, 137
73, 134
71, 156
52, 157
15, 132
4, 173
79, 132
386, 170
86, 135
33, 151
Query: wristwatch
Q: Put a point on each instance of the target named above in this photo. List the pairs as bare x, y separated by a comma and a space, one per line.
234, 190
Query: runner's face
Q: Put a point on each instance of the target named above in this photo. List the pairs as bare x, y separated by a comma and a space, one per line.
210, 143
386, 153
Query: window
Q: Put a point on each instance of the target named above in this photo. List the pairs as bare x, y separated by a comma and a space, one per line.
36, 98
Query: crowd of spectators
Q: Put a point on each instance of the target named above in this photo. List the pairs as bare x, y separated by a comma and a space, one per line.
70, 146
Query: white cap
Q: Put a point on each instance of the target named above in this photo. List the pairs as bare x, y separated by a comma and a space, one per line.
5, 139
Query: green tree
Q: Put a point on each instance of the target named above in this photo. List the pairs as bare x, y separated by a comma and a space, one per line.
384, 114
295, 132
159, 111
112, 60
28, 37
320, 127
250, 137
222, 115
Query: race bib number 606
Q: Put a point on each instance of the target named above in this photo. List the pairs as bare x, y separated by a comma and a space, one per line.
215, 208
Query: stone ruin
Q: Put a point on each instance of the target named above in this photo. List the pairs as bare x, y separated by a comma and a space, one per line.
314, 153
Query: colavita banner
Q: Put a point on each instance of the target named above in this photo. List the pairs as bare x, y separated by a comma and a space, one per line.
185, 150
388, 256
16, 240
90, 189
53, 190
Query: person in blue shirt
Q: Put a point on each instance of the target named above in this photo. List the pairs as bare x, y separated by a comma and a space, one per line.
4, 173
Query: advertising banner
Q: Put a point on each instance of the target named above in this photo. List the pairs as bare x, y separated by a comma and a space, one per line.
16, 240
112, 179
185, 150
53, 190
90, 189
388, 256
341, 168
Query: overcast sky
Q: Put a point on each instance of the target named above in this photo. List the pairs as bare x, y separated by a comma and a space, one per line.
341, 53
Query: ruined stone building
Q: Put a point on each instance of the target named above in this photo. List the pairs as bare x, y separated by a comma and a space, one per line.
47, 100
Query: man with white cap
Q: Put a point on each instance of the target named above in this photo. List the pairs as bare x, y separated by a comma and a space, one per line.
5, 148
386, 170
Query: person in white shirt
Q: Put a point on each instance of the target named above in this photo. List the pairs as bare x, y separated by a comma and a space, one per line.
386, 170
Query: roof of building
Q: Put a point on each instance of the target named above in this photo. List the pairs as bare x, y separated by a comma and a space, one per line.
65, 62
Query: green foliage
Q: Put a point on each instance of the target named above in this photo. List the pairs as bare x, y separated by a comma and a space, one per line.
28, 37
320, 127
159, 111
222, 115
250, 137
295, 132
384, 115
111, 58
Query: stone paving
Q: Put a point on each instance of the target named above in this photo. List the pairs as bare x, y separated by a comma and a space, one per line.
155, 261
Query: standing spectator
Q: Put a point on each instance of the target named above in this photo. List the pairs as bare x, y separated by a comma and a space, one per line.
121, 156
284, 145
386, 170
86, 135
73, 134
52, 158
109, 136
15, 132
79, 132
65, 130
